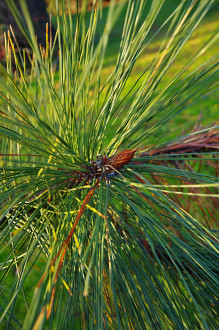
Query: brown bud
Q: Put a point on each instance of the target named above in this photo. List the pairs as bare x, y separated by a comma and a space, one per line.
121, 159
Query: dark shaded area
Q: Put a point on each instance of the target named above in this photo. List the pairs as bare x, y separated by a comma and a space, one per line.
39, 15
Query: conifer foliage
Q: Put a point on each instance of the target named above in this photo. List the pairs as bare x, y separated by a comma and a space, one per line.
100, 228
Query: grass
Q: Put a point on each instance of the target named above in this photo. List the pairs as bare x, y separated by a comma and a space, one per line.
29, 286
